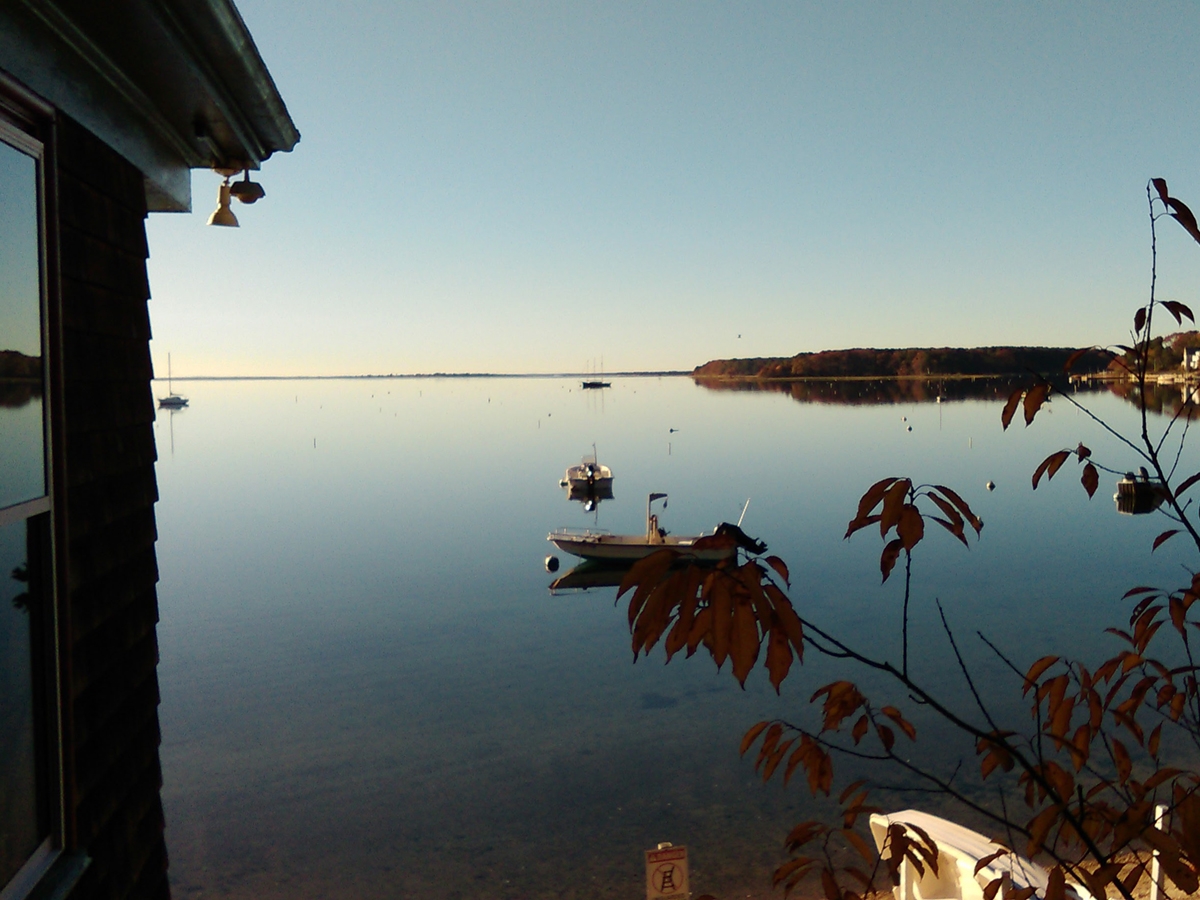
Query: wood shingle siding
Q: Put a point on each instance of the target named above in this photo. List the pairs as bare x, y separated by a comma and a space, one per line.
110, 495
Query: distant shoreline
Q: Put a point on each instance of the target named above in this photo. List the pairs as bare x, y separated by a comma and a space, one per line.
781, 378
590, 376
908, 362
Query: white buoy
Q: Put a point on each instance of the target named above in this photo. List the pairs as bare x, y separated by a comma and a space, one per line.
991, 485
910, 428
551, 563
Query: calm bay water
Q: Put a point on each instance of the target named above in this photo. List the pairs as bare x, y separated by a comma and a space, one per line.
368, 690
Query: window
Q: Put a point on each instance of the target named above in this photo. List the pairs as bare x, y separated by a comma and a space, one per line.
29, 834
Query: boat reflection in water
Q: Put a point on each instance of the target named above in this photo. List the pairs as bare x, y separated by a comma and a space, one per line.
590, 495
589, 574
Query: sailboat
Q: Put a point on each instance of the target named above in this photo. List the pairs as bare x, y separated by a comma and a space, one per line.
596, 381
172, 400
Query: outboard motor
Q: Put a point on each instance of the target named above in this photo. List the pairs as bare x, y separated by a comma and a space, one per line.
747, 543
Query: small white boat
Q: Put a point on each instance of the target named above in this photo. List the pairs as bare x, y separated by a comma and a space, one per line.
589, 475
172, 400
959, 849
1139, 494
597, 544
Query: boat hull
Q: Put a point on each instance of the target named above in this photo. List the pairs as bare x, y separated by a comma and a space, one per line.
959, 875
631, 548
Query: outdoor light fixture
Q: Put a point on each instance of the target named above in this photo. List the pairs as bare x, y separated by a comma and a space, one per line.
223, 215
246, 190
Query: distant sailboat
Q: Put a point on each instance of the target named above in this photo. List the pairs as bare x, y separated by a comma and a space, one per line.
172, 400
596, 382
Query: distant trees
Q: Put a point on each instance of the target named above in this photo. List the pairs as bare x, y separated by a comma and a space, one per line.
1163, 355
912, 362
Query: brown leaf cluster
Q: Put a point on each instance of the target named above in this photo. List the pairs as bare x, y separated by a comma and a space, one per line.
1093, 774
819, 859
730, 610
1034, 398
896, 500
1177, 209
1090, 479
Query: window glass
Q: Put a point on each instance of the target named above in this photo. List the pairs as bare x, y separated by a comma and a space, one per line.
21, 825
22, 441
24, 818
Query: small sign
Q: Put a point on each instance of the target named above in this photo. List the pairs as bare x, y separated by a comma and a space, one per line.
667, 874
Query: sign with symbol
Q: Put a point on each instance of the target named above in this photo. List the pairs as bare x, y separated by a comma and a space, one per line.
667, 874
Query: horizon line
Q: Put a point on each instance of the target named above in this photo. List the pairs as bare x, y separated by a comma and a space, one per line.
590, 376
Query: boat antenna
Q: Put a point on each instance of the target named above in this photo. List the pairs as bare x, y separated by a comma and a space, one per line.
743, 515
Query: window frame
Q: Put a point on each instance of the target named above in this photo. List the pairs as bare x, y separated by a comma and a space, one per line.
27, 125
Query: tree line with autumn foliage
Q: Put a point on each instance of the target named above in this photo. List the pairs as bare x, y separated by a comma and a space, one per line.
912, 362
1164, 354
1075, 782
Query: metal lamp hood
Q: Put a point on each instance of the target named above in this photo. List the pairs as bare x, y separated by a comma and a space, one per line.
223, 215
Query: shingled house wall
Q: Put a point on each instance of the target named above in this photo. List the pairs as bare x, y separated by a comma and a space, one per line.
108, 413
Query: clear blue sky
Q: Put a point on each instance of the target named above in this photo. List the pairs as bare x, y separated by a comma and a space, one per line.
517, 187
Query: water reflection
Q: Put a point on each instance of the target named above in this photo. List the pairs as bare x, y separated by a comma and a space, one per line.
590, 574
1180, 399
874, 391
22, 476
589, 495
20, 379
367, 690
20, 815
1169, 399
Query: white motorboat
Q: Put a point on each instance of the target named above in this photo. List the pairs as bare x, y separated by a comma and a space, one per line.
589, 476
591, 543
959, 849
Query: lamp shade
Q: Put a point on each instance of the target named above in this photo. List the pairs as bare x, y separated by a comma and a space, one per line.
246, 190
223, 215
